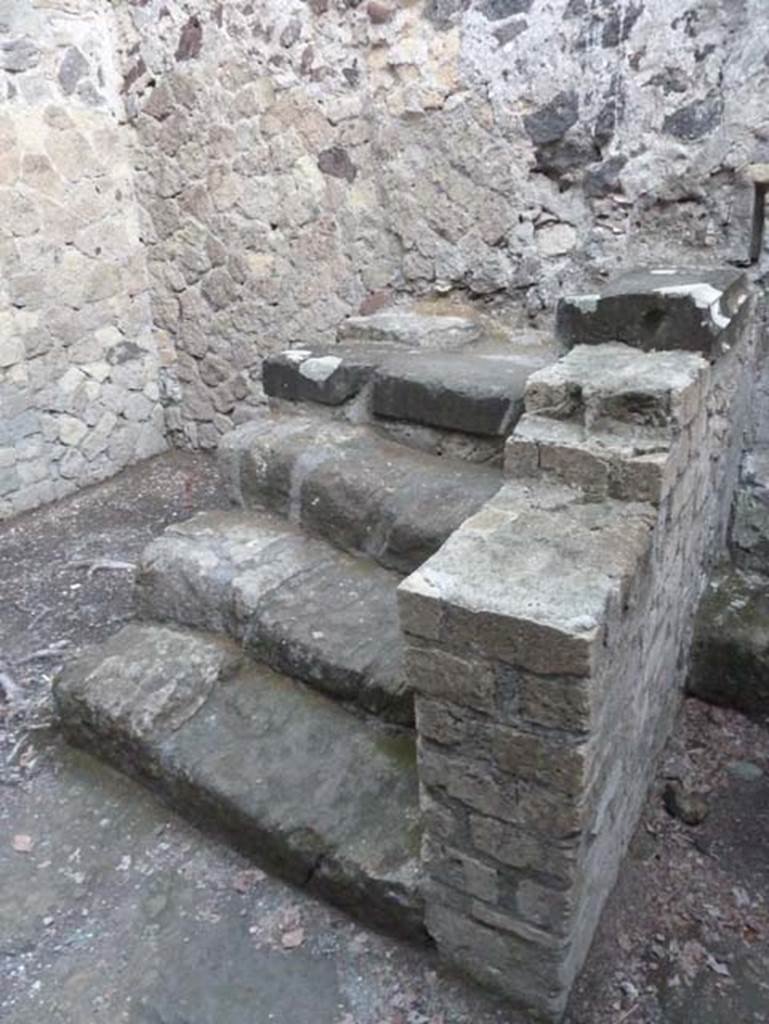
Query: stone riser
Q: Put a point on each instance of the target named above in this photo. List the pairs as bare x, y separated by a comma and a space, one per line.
349, 485
294, 602
341, 820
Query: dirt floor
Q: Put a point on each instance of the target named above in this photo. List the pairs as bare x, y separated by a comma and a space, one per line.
113, 909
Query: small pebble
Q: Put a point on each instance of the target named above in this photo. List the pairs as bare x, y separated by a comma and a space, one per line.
745, 770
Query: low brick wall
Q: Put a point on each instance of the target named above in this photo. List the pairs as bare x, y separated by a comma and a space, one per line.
548, 647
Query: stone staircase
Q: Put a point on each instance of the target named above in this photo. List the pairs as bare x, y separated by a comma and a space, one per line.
425, 664
264, 691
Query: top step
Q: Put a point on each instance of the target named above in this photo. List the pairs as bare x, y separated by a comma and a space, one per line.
403, 328
699, 310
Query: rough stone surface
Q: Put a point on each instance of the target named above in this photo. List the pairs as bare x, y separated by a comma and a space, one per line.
663, 308
358, 490
241, 752
750, 525
609, 419
313, 156
468, 392
295, 602
411, 330
548, 649
73, 273
730, 654
329, 375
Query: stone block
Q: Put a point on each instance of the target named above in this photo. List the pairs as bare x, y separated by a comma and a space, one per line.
539, 606
468, 682
663, 308
617, 383
549, 760
411, 330
330, 376
630, 465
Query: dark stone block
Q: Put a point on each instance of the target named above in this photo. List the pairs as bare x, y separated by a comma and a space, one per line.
329, 376
695, 120
190, 40
322, 797
603, 180
443, 12
695, 310
551, 122
471, 394
336, 162
496, 10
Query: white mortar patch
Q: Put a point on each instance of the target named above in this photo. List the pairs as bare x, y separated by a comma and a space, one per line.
320, 369
705, 297
297, 355
586, 303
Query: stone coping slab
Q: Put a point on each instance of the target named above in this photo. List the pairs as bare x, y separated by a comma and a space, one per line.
310, 791
295, 602
616, 384
700, 310
531, 579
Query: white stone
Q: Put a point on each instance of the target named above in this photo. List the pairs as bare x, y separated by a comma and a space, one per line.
11, 351
71, 430
320, 369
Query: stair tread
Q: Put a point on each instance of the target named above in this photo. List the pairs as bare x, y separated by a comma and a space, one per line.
325, 798
473, 391
297, 603
361, 491
476, 390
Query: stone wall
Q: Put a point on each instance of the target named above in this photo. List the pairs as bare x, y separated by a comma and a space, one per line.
78, 362
301, 158
549, 644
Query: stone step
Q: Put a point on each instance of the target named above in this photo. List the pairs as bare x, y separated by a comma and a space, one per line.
327, 800
475, 391
661, 308
295, 602
407, 328
730, 653
352, 486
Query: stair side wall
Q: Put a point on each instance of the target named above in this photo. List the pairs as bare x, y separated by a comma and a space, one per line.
537, 748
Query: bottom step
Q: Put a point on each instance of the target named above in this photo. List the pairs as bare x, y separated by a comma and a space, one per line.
323, 798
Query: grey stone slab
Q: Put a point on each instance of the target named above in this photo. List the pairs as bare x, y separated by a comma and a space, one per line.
294, 780
298, 604
357, 489
730, 652
474, 394
411, 330
330, 376
532, 578
700, 310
